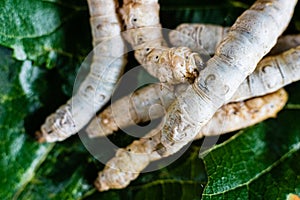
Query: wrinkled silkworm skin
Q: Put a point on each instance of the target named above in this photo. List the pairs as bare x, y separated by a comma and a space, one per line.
129, 162
106, 68
169, 65
239, 115
140, 106
285, 43
142, 25
198, 36
140, 14
273, 72
208, 37
173, 65
253, 34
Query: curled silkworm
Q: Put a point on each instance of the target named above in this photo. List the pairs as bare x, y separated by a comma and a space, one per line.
171, 65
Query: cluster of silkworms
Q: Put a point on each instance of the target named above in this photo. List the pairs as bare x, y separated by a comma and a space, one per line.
236, 88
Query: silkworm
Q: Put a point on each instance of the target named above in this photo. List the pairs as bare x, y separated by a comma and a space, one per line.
205, 36
253, 34
271, 73
169, 65
106, 67
134, 108
209, 36
285, 43
130, 161
292, 197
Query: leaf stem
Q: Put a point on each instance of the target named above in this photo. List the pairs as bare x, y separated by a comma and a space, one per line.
292, 106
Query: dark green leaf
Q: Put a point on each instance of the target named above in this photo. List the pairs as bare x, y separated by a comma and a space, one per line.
42, 30
20, 154
213, 12
183, 179
258, 162
63, 175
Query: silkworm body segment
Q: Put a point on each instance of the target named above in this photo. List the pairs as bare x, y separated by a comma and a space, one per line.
106, 67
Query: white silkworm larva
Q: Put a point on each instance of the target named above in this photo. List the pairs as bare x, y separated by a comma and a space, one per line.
206, 36
209, 36
106, 67
285, 43
133, 109
129, 162
273, 72
171, 65
253, 34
